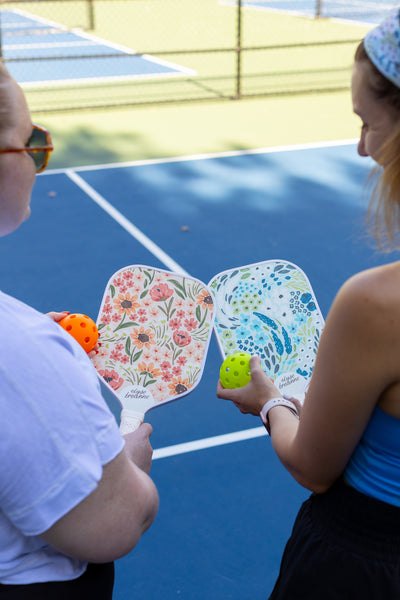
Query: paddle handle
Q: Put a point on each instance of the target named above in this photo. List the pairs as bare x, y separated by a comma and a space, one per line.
130, 421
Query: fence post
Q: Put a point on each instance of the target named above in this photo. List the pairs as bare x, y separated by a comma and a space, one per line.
318, 9
239, 51
91, 13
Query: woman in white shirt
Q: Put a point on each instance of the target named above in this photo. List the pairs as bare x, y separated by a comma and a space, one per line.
74, 494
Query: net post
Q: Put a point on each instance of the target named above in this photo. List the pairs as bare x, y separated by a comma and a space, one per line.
318, 9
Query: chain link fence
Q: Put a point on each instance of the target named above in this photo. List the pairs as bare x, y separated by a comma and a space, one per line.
74, 54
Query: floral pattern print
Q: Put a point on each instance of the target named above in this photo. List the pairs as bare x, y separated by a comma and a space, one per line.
382, 44
154, 330
268, 309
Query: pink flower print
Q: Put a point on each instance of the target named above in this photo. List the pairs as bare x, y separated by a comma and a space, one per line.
176, 371
142, 315
181, 338
175, 323
116, 317
165, 365
182, 360
166, 376
115, 355
190, 324
161, 390
138, 275
112, 378
167, 354
107, 308
153, 312
161, 292
180, 314
156, 354
127, 275
190, 353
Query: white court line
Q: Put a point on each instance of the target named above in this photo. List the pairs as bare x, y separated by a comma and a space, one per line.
211, 442
125, 223
205, 156
39, 45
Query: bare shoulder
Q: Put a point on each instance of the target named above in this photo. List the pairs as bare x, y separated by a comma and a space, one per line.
373, 291
366, 313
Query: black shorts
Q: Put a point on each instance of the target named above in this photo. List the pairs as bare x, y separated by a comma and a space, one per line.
96, 582
344, 546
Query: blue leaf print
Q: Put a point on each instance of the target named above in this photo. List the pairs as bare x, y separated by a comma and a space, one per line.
278, 344
266, 320
288, 344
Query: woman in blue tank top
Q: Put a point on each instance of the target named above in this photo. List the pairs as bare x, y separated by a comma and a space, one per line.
345, 444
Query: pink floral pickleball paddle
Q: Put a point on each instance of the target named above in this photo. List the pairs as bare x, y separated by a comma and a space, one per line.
155, 328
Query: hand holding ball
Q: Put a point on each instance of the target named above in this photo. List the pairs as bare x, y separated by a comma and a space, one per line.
82, 328
235, 371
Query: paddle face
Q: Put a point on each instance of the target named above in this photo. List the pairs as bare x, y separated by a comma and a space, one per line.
155, 328
270, 309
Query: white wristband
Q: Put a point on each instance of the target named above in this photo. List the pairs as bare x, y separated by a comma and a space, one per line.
275, 402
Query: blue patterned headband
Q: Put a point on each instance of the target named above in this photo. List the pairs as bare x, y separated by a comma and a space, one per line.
382, 44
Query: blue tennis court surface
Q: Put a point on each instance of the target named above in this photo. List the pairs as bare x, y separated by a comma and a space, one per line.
226, 503
352, 10
40, 41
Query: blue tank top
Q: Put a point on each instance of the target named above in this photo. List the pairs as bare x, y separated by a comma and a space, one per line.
374, 468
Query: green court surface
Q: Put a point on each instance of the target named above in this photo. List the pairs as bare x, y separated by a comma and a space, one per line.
97, 137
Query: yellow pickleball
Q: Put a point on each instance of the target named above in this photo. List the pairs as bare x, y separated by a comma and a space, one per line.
235, 370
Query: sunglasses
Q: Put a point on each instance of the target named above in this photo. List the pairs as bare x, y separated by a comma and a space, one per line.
39, 147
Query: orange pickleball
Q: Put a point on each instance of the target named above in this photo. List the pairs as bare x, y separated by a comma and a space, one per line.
82, 328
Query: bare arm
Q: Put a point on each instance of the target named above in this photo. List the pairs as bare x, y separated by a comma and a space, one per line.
356, 363
110, 521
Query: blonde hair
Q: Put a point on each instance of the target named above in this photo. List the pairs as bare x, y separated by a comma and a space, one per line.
383, 215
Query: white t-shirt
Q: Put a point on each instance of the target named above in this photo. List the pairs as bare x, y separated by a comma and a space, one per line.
56, 433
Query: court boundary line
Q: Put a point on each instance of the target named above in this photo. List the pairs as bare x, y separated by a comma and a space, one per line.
210, 442
134, 231
202, 156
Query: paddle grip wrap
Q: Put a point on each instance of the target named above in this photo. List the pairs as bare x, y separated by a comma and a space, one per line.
130, 421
